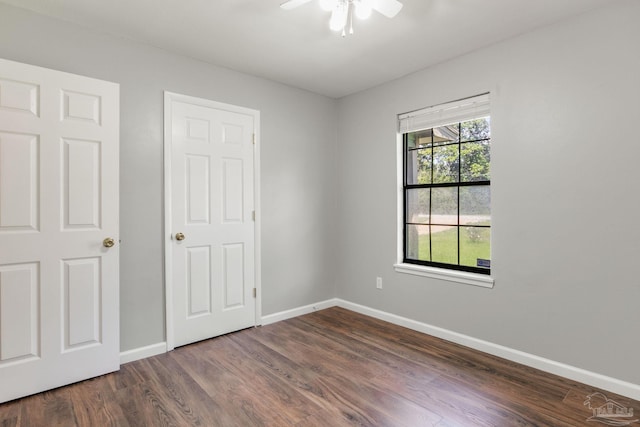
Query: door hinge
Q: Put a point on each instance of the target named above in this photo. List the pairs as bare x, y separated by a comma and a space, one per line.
255, 293
254, 139
253, 215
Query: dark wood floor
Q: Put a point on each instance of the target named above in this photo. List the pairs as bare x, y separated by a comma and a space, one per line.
329, 368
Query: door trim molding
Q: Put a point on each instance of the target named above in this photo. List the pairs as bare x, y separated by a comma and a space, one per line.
170, 97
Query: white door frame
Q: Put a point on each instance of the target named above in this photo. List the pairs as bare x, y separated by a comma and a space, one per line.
169, 97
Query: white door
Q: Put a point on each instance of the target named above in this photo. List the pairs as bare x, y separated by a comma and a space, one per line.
211, 233
59, 136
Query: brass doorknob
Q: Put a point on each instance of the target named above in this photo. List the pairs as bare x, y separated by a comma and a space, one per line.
179, 236
108, 242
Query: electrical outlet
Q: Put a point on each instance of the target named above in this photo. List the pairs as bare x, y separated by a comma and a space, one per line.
378, 282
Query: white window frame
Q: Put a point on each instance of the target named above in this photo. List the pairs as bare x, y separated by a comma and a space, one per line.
426, 118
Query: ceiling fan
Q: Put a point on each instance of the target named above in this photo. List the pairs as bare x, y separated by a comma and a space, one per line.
342, 11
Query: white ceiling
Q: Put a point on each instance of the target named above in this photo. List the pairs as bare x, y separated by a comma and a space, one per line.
296, 47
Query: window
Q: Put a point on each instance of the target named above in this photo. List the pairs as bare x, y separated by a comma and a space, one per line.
446, 191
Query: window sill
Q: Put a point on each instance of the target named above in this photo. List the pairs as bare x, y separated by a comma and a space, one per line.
449, 275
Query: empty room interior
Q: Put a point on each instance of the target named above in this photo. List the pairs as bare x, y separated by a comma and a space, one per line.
319, 212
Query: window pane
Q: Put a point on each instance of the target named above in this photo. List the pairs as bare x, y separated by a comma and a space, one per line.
446, 134
474, 130
411, 141
418, 205
446, 163
475, 244
417, 245
419, 166
475, 160
444, 205
444, 244
419, 139
475, 205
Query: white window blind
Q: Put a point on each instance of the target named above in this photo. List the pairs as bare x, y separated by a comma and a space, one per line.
444, 114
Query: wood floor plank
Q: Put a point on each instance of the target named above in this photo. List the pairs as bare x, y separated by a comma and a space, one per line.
328, 368
10, 414
380, 404
234, 399
144, 405
320, 354
367, 355
296, 373
93, 403
187, 401
332, 384
51, 408
497, 377
275, 392
320, 419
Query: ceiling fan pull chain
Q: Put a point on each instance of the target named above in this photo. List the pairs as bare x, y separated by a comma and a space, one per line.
351, 17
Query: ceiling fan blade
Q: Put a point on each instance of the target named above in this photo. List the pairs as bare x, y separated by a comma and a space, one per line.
388, 8
292, 4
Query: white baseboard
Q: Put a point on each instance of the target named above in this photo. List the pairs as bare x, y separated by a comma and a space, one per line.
295, 312
142, 352
567, 371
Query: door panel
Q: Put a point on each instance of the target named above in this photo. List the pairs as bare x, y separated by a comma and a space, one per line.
82, 289
210, 185
233, 275
81, 191
19, 177
20, 96
81, 107
58, 200
198, 191
19, 317
199, 281
233, 185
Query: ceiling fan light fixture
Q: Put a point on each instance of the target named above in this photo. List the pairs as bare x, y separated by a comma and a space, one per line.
328, 5
388, 8
342, 11
363, 8
339, 16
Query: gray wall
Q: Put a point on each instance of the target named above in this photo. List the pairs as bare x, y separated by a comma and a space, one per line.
565, 153
297, 160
